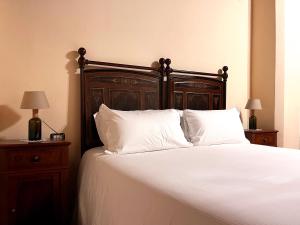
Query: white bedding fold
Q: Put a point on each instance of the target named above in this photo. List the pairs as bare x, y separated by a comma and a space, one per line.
237, 184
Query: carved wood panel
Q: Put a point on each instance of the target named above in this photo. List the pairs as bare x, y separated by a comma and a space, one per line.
194, 92
216, 102
151, 101
118, 89
96, 98
198, 101
178, 100
125, 100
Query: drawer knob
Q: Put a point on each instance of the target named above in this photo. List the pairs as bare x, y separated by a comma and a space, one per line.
13, 210
36, 158
264, 140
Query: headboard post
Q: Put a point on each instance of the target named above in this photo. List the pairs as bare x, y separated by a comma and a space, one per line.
225, 76
163, 83
81, 59
81, 63
168, 72
168, 68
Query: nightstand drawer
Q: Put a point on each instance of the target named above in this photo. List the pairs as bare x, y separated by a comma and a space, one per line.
29, 159
262, 137
266, 139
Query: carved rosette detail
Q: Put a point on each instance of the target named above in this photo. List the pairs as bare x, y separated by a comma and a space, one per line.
196, 85
126, 81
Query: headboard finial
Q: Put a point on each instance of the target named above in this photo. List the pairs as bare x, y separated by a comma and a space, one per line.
161, 61
168, 68
81, 60
82, 51
225, 74
168, 61
162, 66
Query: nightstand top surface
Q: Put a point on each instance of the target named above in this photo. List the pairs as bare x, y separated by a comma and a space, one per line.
261, 131
12, 143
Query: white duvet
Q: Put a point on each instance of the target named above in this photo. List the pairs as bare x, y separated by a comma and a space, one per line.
241, 184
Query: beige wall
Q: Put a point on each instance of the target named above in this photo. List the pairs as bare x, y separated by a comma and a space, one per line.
39, 38
287, 73
263, 60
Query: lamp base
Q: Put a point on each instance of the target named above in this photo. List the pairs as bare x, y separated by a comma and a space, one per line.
252, 122
35, 129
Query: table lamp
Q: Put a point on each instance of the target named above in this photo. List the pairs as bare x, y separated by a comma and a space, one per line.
253, 104
34, 100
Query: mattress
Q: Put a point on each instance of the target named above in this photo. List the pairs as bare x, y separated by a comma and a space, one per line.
232, 184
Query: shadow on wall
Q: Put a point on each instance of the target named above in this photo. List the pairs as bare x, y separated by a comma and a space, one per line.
155, 64
72, 128
73, 120
8, 117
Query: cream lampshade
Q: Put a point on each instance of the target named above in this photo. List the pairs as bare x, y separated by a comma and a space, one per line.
253, 104
34, 100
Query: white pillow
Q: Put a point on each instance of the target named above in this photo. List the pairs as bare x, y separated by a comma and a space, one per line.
183, 124
139, 131
211, 127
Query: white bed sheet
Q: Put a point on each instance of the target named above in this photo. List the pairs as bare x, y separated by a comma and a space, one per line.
233, 184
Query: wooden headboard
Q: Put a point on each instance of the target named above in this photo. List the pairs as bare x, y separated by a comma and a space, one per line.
131, 87
195, 90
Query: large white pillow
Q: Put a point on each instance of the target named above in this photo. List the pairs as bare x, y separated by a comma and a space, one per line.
139, 131
211, 127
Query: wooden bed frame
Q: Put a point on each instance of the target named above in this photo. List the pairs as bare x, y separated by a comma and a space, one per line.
130, 87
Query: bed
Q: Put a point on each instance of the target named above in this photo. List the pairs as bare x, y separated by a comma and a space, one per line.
219, 184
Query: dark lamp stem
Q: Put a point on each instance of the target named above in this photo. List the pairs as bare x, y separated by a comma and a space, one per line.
252, 121
35, 113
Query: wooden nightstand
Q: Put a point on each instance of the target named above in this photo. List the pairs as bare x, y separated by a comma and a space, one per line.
262, 137
33, 178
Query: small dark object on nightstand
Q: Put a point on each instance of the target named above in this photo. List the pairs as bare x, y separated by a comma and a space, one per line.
57, 136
